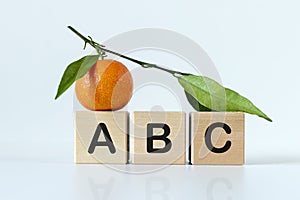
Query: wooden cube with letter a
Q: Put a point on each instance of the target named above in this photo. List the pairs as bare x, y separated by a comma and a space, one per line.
159, 138
217, 138
101, 137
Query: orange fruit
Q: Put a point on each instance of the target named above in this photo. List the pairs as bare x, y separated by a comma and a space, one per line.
107, 85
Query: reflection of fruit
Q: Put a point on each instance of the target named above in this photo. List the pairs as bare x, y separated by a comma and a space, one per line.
107, 86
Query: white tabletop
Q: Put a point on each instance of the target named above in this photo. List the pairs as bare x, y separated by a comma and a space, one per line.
49, 174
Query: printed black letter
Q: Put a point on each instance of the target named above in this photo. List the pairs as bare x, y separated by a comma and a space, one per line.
163, 137
108, 141
208, 134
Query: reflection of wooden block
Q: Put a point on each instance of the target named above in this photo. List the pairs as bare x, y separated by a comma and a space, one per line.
101, 137
217, 138
165, 143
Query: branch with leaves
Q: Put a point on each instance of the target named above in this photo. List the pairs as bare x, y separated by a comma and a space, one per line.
203, 93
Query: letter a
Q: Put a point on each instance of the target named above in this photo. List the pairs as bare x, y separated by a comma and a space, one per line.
108, 141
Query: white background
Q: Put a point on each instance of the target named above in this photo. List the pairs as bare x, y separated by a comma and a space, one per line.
254, 44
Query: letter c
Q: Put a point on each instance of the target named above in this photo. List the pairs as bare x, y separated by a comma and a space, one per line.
208, 134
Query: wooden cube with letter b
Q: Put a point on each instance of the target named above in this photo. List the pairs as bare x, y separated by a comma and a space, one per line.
101, 137
217, 138
159, 138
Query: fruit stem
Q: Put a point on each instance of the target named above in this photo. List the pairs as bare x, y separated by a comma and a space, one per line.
100, 49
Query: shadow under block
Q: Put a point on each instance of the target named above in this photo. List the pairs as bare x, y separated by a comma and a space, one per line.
93, 133
217, 138
159, 138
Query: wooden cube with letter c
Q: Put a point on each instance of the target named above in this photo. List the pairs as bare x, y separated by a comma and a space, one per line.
217, 138
159, 138
101, 137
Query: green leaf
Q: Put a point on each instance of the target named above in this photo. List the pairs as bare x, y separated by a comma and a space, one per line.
75, 71
214, 96
195, 104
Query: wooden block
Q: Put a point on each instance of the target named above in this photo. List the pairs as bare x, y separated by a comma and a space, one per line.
159, 138
217, 138
101, 137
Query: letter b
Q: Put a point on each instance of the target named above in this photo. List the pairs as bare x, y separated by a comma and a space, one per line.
163, 137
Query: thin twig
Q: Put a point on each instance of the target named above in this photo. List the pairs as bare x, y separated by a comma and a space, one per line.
99, 48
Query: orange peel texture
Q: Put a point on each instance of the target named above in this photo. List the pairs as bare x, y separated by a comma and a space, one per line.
107, 86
